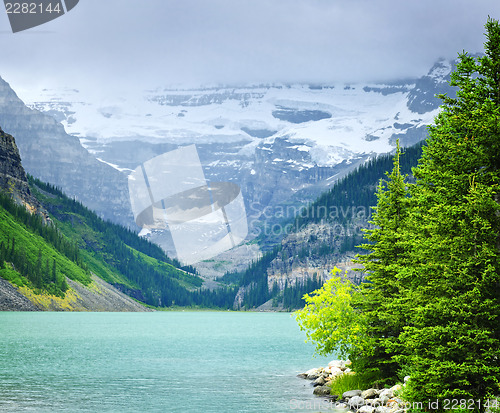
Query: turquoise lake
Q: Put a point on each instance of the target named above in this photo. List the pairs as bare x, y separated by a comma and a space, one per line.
155, 362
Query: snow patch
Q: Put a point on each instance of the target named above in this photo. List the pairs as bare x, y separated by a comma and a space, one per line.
440, 71
144, 232
115, 166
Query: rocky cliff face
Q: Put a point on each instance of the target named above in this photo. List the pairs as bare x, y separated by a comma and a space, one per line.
53, 156
313, 251
283, 177
12, 175
421, 99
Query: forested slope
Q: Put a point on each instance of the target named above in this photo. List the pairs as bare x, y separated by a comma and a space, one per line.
321, 234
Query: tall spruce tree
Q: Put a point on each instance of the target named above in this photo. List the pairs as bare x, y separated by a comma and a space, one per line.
387, 251
451, 344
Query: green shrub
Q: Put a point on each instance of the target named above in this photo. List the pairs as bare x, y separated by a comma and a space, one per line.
13, 276
346, 382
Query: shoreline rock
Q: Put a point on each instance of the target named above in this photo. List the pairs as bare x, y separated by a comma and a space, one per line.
369, 400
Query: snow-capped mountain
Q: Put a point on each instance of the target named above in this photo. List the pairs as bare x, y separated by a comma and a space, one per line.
334, 123
282, 144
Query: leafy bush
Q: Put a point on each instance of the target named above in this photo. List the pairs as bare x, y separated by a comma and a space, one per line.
329, 319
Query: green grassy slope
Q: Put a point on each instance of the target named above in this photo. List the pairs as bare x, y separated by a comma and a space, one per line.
118, 255
28, 259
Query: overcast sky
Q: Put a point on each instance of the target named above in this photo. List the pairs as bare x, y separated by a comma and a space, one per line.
149, 43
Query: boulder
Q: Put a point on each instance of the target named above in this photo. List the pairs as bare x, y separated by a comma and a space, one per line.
396, 388
374, 402
341, 364
314, 371
356, 402
351, 393
366, 409
335, 371
406, 379
381, 409
384, 399
302, 375
322, 391
387, 393
369, 394
337, 363
320, 381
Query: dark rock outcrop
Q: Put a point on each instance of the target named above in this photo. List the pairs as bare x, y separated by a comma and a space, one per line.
322, 391
13, 178
12, 174
422, 98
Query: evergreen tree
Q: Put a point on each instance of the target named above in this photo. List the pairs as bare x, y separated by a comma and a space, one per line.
54, 273
451, 345
12, 249
378, 293
2, 254
37, 273
46, 275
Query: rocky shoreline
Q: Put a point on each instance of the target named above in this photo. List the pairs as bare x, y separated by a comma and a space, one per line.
356, 400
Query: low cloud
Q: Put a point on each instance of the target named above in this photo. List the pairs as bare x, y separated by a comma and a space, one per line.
185, 43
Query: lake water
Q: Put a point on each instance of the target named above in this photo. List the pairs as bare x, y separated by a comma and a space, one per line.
155, 362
